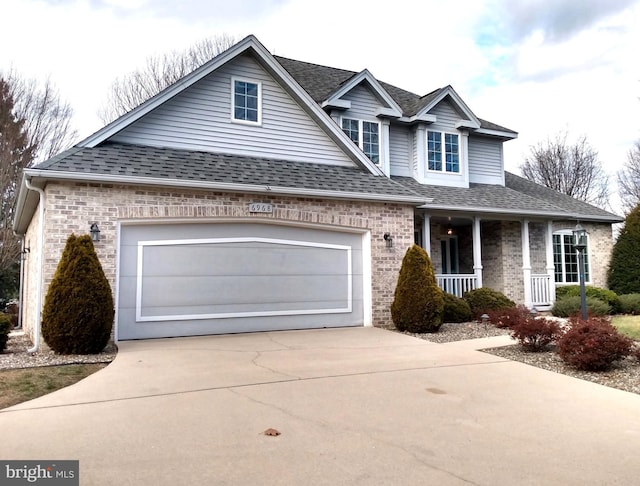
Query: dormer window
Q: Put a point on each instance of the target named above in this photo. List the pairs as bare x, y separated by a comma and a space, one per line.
443, 152
247, 101
366, 135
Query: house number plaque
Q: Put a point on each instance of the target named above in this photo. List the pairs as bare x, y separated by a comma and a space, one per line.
260, 208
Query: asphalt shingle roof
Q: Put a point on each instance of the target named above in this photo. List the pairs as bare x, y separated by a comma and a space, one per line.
185, 165
518, 195
321, 81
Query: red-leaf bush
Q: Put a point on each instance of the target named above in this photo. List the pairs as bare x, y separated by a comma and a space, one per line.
536, 333
508, 318
593, 345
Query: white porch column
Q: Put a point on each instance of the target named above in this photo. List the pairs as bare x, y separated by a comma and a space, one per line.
477, 252
551, 271
526, 264
426, 233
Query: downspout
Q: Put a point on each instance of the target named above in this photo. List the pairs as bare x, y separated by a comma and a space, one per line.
36, 325
21, 289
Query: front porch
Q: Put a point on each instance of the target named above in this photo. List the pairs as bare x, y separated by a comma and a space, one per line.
458, 284
514, 257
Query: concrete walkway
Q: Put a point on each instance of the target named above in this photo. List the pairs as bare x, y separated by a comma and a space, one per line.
353, 406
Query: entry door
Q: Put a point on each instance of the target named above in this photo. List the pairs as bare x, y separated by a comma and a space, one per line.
449, 252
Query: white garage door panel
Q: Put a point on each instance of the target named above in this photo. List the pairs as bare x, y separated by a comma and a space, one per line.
240, 278
225, 278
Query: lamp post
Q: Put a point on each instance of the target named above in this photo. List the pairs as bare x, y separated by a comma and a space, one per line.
580, 244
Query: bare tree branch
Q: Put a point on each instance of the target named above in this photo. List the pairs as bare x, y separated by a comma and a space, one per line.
34, 125
629, 179
574, 170
160, 71
47, 120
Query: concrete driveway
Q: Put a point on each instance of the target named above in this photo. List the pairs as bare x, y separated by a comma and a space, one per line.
353, 406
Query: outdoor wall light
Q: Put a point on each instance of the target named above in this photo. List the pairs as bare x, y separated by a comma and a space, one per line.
95, 232
389, 239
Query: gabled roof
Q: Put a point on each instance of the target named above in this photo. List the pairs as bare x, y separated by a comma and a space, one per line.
252, 45
518, 197
393, 109
322, 81
433, 99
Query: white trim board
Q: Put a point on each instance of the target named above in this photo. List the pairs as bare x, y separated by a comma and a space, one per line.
140, 271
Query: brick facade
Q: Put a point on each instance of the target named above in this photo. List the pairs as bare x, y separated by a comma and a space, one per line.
71, 207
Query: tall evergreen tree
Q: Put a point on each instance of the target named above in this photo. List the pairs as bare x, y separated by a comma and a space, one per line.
15, 154
624, 269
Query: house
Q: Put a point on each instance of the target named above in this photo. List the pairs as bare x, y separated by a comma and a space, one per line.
262, 193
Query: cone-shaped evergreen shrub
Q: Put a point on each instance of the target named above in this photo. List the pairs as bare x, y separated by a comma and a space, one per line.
78, 310
419, 302
624, 268
5, 328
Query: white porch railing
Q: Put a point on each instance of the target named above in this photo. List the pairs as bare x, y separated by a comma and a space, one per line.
456, 284
541, 289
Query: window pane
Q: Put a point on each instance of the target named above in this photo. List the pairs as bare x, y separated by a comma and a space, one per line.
434, 150
350, 127
570, 260
252, 89
451, 152
245, 101
370, 143
557, 258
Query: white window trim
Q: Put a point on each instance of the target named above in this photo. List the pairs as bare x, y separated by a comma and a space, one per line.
564, 233
233, 101
443, 159
361, 135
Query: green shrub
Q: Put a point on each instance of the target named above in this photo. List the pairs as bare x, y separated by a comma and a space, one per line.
623, 276
78, 311
593, 345
418, 303
455, 309
571, 306
5, 328
605, 295
630, 304
12, 310
485, 300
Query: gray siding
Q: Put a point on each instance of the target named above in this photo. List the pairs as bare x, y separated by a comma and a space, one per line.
447, 116
485, 161
400, 150
199, 118
364, 104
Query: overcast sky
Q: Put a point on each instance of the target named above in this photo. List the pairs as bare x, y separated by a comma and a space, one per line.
534, 66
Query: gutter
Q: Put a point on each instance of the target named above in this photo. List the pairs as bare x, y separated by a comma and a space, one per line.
223, 186
522, 212
36, 325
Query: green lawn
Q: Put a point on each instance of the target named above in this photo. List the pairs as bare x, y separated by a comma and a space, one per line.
20, 385
628, 325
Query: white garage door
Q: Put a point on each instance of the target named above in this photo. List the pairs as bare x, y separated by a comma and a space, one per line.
195, 279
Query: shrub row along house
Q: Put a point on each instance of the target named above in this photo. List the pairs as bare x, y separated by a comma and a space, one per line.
263, 193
